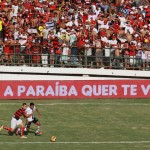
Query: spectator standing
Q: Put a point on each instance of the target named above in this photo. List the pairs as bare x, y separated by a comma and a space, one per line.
88, 53
50, 24
74, 53
36, 53
1, 31
51, 54
57, 49
99, 53
23, 39
44, 56
65, 53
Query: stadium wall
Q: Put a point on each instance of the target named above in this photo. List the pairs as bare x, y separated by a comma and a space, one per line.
47, 83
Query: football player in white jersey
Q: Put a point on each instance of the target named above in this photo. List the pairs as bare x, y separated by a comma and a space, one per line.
32, 119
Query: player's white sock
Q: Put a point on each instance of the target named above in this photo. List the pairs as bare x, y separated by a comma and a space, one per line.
38, 129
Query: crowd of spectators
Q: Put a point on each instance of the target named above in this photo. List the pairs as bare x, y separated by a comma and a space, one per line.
48, 32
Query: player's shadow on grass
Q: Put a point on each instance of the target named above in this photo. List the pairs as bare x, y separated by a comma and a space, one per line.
5, 134
32, 131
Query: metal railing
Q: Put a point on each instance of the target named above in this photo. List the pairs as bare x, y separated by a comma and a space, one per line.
109, 61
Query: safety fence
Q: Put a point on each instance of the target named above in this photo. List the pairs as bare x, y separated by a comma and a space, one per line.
85, 57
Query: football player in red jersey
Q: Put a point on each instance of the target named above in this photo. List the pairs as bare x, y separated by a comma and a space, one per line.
16, 121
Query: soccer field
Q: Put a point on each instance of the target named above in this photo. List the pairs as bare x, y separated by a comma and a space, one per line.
95, 124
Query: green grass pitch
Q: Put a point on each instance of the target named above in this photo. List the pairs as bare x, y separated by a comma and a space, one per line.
88, 124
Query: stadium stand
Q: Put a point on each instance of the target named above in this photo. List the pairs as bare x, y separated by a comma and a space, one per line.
75, 33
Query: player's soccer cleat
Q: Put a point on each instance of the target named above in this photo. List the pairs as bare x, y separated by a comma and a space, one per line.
23, 137
38, 133
1, 128
17, 132
10, 133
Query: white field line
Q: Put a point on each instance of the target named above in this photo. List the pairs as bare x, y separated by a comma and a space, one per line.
132, 104
102, 142
90, 103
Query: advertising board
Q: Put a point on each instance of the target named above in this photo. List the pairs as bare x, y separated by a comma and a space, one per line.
74, 89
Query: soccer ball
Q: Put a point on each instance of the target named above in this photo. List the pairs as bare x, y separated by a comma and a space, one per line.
53, 139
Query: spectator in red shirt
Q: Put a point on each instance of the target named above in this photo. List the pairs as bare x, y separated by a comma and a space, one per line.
81, 42
36, 53
57, 49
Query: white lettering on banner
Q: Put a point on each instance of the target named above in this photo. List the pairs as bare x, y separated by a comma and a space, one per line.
105, 90
145, 89
8, 91
40, 90
87, 90
97, 90
129, 89
30, 91
125, 89
56, 89
133, 90
113, 90
21, 89
49, 91
72, 91
63, 91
